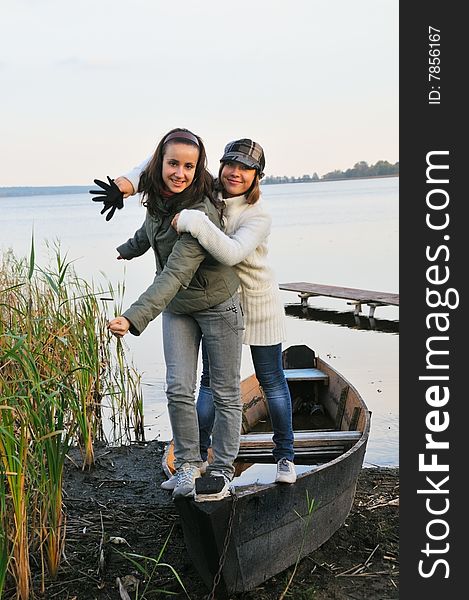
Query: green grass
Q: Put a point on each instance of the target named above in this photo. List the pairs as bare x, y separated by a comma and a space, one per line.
310, 508
148, 566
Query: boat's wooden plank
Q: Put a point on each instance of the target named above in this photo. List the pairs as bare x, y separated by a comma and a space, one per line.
312, 435
333, 291
302, 439
313, 453
323, 449
305, 375
254, 403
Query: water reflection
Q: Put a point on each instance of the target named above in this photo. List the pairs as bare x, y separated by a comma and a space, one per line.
343, 319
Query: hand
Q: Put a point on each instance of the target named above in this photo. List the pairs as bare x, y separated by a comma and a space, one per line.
119, 326
110, 195
174, 222
125, 186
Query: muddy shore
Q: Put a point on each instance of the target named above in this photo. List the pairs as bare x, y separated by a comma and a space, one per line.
117, 515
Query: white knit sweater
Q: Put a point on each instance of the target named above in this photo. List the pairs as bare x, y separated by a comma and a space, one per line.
243, 245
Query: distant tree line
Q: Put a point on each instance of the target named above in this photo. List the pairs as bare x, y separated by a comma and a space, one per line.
43, 190
360, 170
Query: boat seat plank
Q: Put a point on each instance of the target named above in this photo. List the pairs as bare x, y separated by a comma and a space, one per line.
301, 439
305, 375
310, 450
312, 454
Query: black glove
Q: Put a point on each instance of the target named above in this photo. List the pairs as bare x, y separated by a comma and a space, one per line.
110, 195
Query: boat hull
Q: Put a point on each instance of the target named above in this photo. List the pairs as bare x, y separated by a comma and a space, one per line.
274, 525
268, 535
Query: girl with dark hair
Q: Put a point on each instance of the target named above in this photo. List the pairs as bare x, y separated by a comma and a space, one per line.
197, 297
243, 244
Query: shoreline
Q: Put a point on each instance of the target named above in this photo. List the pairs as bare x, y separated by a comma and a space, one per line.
26, 191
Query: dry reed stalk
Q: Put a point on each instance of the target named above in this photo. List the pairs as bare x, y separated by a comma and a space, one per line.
20, 552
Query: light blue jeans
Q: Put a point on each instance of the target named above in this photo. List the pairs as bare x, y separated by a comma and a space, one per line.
221, 327
267, 362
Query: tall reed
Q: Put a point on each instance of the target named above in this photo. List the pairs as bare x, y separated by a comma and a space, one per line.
58, 369
13, 452
4, 546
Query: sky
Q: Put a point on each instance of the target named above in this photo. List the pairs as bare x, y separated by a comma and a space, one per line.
89, 87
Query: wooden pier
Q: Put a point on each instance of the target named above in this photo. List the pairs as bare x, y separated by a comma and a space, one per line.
355, 296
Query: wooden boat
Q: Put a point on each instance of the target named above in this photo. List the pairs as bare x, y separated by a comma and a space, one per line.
269, 526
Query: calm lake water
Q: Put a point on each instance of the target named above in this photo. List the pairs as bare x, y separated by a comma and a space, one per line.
341, 233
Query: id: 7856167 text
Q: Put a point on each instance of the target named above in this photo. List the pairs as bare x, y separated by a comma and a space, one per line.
434, 69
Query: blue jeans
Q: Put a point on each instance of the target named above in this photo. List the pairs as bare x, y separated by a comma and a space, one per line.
221, 327
267, 362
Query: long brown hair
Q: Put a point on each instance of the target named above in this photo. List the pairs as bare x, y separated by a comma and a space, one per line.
252, 195
151, 181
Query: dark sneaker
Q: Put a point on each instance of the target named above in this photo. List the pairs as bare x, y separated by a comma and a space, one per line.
214, 487
285, 471
185, 480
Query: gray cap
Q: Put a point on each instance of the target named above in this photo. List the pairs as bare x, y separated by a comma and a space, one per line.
246, 152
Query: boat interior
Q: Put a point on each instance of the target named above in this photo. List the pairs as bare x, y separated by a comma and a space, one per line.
329, 416
326, 413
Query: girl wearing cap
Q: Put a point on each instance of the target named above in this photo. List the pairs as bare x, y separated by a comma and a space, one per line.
243, 244
197, 296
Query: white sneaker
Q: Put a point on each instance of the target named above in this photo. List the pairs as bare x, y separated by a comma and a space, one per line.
170, 483
214, 487
185, 480
285, 471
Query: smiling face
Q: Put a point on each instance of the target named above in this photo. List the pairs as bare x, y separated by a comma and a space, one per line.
179, 163
236, 178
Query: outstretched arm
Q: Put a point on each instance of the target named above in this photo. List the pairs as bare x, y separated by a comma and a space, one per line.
228, 250
125, 186
128, 183
112, 194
